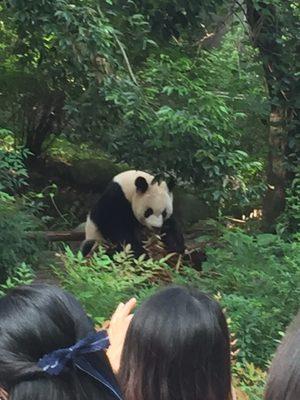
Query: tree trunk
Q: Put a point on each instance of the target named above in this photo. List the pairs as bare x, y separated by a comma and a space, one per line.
44, 116
266, 30
274, 201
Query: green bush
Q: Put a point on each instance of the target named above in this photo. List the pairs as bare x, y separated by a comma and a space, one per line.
288, 225
17, 213
250, 379
23, 275
101, 282
13, 174
16, 220
258, 278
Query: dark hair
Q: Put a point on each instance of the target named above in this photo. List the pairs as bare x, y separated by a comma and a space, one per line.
177, 348
36, 320
284, 375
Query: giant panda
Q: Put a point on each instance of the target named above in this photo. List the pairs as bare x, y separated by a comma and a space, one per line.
133, 200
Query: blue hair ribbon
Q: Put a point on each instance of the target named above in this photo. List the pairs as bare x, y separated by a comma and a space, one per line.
54, 363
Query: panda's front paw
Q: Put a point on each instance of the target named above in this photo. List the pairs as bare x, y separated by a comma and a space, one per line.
88, 247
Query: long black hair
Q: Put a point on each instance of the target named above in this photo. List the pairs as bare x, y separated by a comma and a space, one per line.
284, 376
36, 320
177, 348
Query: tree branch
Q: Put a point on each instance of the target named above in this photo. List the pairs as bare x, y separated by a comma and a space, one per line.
121, 47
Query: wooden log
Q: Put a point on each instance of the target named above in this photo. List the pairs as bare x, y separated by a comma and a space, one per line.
78, 236
58, 236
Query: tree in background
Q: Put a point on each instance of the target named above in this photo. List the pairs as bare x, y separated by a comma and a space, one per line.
275, 28
58, 52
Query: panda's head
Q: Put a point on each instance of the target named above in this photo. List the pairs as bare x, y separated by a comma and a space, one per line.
152, 202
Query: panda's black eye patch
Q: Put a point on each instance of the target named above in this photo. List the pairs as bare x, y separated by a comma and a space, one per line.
148, 212
164, 213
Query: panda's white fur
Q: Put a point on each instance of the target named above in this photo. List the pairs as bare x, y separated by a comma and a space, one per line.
92, 232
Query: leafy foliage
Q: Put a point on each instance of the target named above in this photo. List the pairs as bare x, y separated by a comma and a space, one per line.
16, 220
102, 282
17, 216
23, 275
13, 174
288, 225
259, 281
62, 52
250, 379
185, 115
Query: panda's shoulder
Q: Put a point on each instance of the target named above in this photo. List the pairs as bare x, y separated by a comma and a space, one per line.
112, 192
112, 202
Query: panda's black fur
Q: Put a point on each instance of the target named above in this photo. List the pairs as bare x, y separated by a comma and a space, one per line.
114, 220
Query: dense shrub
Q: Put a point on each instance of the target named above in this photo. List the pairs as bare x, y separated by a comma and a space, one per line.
101, 282
250, 379
13, 174
17, 213
16, 220
288, 224
259, 281
23, 275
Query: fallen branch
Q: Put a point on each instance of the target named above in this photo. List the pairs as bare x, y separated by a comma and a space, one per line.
58, 236
238, 221
78, 236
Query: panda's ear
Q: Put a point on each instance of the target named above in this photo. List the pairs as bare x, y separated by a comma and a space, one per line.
141, 184
171, 183
156, 179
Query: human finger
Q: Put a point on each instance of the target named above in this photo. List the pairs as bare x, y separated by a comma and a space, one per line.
117, 312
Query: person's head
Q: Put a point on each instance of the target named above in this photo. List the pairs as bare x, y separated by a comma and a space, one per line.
284, 374
36, 320
177, 348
